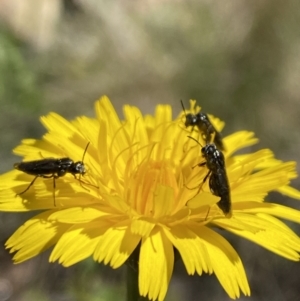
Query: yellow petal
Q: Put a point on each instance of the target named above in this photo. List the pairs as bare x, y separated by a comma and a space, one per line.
238, 141
142, 226
77, 215
155, 265
34, 237
192, 251
116, 245
274, 235
269, 208
226, 263
289, 191
76, 244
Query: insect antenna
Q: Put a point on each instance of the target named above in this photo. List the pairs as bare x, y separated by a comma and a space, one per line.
183, 108
85, 150
195, 140
81, 174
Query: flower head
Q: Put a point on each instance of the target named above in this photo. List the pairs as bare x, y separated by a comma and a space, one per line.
144, 188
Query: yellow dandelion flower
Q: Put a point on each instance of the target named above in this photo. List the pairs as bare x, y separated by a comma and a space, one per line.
138, 190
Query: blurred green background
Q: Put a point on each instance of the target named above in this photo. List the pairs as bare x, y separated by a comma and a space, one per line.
238, 58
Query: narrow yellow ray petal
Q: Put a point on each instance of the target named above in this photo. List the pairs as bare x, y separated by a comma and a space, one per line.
240, 166
128, 242
163, 200
88, 128
216, 122
56, 123
105, 111
269, 208
142, 226
33, 149
289, 191
107, 114
263, 181
238, 140
156, 258
10, 202
163, 114
116, 245
78, 215
225, 262
204, 200
274, 236
76, 244
135, 125
192, 251
34, 237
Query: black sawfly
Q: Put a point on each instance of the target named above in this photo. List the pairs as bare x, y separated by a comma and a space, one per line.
218, 180
202, 122
53, 168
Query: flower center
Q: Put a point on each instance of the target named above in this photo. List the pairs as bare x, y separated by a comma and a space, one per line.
153, 186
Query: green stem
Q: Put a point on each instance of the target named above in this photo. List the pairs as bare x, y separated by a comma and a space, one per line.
133, 284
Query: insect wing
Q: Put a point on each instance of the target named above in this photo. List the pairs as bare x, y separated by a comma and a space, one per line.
39, 167
217, 136
218, 141
219, 186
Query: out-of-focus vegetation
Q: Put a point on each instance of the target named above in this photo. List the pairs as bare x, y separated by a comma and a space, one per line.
239, 59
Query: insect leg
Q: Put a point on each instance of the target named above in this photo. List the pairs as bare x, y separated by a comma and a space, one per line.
207, 213
83, 182
204, 180
54, 176
54, 188
28, 186
199, 164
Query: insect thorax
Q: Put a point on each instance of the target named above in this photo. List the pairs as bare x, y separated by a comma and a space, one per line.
78, 168
190, 120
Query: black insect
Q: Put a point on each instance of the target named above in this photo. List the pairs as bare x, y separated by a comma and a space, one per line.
52, 168
218, 181
202, 122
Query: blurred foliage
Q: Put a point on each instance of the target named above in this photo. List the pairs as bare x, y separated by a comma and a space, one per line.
17, 81
19, 96
239, 59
